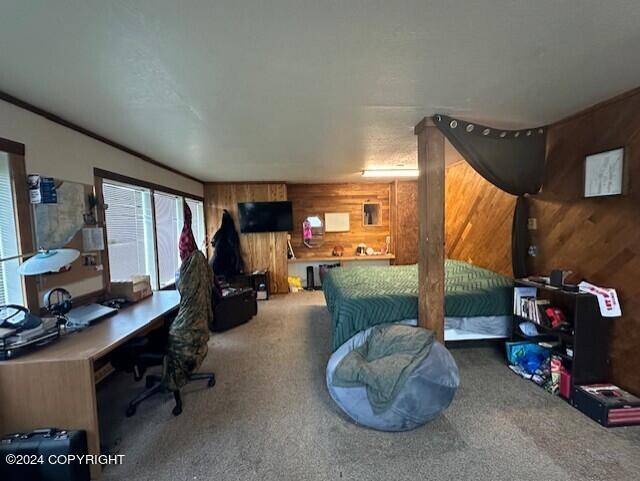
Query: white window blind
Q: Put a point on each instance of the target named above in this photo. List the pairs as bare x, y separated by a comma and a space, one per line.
11, 291
169, 222
130, 236
197, 221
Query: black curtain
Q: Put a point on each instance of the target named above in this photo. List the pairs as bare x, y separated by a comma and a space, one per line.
512, 160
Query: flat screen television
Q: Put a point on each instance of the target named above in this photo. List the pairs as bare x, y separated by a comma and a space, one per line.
265, 216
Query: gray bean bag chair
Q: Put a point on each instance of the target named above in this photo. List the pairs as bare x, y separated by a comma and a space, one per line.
427, 391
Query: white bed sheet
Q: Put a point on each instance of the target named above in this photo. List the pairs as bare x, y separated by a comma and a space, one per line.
473, 328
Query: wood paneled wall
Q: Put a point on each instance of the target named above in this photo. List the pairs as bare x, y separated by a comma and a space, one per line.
478, 218
404, 196
259, 250
316, 199
599, 238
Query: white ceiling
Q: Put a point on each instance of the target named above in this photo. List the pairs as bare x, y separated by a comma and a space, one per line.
309, 90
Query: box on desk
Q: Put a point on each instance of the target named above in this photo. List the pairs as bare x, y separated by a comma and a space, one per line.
134, 290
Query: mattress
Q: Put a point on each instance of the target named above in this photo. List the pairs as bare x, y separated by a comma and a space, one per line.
360, 297
473, 328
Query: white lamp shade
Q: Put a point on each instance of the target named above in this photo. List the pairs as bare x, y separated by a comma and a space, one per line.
48, 261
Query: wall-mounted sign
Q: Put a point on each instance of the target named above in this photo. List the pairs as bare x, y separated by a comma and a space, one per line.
336, 222
604, 173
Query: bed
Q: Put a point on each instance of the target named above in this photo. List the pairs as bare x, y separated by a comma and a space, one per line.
478, 302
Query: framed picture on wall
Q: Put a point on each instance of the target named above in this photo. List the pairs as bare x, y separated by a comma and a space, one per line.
604, 173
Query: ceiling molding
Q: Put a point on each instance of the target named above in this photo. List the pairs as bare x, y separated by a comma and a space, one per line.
89, 133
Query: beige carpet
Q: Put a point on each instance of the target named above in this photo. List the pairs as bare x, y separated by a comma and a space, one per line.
270, 418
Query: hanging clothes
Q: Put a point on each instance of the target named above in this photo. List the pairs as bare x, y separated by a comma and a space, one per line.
227, 257
189, 331
187, 243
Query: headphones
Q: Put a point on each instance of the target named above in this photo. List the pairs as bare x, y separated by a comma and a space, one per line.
28, 320
58, 301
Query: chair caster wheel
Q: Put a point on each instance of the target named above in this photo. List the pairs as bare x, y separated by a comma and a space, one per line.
212, 382
131, 410
177, 411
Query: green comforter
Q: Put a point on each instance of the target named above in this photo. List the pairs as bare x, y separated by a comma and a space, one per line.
360, 297
383, 363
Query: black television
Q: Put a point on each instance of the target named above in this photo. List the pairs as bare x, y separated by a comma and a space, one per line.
265, 216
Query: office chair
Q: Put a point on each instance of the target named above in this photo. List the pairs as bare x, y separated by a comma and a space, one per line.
154, 385
186, 344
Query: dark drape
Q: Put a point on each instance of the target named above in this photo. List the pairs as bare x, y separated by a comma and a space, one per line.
512, 160
520, 238
227, 258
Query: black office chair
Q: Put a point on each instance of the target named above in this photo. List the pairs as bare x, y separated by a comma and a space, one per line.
154, 385
185, 347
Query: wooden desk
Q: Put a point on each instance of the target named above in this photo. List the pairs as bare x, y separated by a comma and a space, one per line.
55, 386
298, 266
339, 259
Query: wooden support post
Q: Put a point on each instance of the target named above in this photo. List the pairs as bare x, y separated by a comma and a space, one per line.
431, 227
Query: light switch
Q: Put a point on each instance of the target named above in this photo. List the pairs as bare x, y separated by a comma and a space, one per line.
532, 224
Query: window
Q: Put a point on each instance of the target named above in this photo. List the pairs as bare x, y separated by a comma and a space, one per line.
197, 221
11, 289
130, 233
169, 222
169, 212
143, 230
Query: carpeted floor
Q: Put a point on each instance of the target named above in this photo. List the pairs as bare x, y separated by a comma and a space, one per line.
270, 418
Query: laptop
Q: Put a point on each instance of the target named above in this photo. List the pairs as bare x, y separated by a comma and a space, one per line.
86, 315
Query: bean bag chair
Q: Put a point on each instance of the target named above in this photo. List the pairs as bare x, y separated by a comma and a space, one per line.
427, 391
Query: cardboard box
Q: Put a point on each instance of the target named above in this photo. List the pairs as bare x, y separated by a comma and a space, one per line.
134, 290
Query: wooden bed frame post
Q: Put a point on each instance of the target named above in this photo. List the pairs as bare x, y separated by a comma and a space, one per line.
431, 227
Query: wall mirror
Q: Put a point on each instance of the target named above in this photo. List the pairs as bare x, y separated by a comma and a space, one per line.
371, 213
313, 231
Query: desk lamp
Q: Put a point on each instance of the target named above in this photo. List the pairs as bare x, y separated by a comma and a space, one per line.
45, 261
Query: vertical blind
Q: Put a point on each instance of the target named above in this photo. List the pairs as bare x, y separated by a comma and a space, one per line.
169, 221
11, 291
130, 236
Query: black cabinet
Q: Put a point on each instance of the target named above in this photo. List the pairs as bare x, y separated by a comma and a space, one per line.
258, 281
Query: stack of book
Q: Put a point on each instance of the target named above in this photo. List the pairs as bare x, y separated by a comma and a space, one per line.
533, 310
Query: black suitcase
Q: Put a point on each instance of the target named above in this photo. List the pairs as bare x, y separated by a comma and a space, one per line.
41, 454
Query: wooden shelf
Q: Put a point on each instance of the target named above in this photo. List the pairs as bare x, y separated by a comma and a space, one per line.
544, 331
381, 257
588, 337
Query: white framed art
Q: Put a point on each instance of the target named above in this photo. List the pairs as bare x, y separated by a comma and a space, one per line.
336, 222
604, 173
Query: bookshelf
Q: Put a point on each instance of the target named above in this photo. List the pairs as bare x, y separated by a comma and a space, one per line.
588, 335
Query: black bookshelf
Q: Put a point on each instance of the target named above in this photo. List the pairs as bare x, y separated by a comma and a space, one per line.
588, 336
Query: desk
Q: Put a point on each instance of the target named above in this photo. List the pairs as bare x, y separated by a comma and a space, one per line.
298, 266
55, 385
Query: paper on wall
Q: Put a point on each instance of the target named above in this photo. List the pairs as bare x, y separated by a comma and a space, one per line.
607, 299
92, 239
